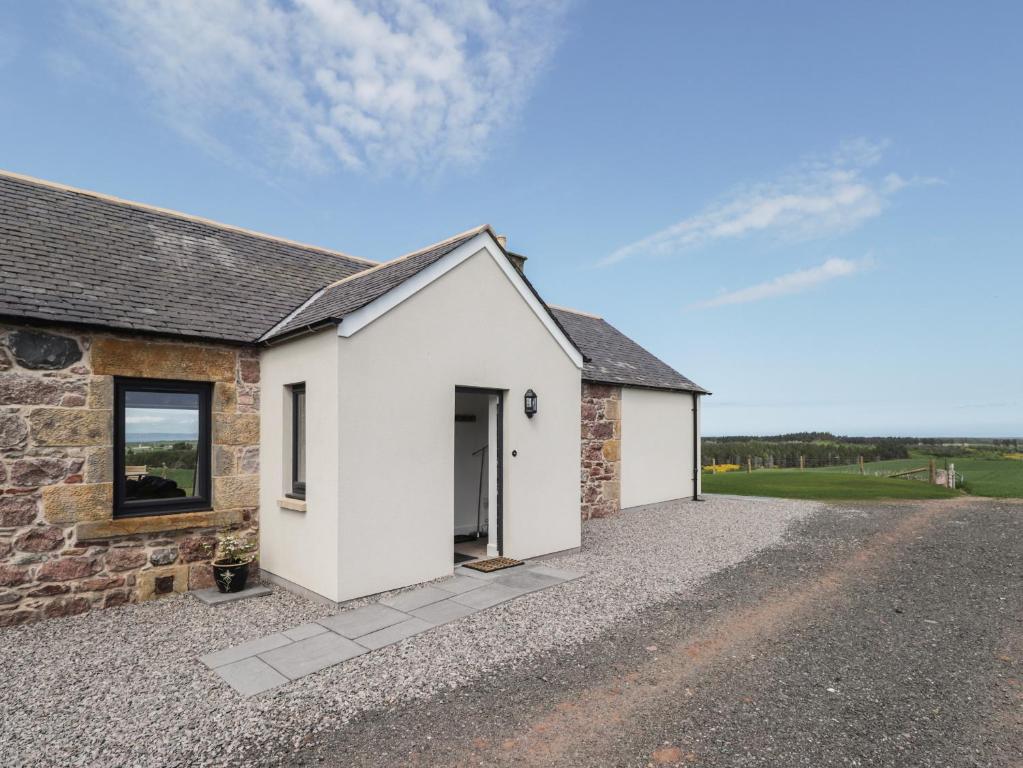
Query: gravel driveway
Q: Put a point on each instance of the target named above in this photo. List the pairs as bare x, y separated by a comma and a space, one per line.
124, 687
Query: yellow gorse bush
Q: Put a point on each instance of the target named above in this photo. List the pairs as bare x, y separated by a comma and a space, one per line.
715, 468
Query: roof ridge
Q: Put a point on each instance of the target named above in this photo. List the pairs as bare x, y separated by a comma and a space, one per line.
576, 311
178, 214
380, 265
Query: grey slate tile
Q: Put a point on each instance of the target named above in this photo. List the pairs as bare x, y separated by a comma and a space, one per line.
302, 631
312, 654
251, 676
529, 580
488, 595
394, 633
456, 585
214, 596
444, 611
364, 620
557, 573
416, 598
245, 650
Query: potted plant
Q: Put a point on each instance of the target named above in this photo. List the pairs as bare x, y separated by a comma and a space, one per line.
231, 559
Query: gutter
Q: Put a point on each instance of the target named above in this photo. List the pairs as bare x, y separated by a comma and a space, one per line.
696, 447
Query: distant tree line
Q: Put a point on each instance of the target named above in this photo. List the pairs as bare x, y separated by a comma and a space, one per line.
177, 456
815, 448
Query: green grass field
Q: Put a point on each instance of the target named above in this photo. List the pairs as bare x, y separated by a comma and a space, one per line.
1001, 478
183, 477
793, 484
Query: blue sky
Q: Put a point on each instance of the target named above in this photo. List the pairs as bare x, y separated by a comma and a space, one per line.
812, 209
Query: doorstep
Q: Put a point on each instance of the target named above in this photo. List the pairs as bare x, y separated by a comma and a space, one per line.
269, 662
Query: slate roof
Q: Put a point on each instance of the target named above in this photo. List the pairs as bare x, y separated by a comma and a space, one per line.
78, 257
614, 358
72, 256
345, 296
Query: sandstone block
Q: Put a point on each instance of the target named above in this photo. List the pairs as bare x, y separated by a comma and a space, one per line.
158, 581
236, 428
13, 432
22, 389
197, 548
200, 576
99, 465
235, 491
116, 597
225, 397
248, 464
248, 370
71, 426
101, 393
40, 539
224, 461
99, 584
613, 410
159, 360
26, 473
125, 559
75, 503
49, 590
67, 568
65, 606
14, 618
612, 450
13, 575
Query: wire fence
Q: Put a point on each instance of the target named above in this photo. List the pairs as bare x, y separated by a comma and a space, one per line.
940, 472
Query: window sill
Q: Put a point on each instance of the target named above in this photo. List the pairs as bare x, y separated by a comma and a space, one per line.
295, 505
128, 526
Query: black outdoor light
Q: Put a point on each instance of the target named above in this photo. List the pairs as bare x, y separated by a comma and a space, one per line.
530, 403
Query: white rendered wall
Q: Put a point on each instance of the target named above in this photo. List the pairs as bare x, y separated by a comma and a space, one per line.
397, 379
657, 446
300, 546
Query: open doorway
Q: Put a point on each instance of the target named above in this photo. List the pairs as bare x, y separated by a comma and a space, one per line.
477, 461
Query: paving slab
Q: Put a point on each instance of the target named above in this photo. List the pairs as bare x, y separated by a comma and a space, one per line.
214, 596
489, 595
558, 573
302, 631
362, 621
416, 598
251, 676
456, 585
312, 654
245, 650
394, 633
528, 580
444, 611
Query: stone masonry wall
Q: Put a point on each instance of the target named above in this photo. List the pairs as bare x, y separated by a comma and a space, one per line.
61, 551
601, 450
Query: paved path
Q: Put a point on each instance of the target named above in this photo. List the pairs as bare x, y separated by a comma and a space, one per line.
268, 662
882, 635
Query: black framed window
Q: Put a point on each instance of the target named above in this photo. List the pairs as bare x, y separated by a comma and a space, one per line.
161, 446
297, 441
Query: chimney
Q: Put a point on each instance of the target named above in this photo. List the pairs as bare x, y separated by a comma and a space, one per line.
516, 258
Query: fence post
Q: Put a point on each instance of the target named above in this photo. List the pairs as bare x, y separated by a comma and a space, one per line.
802, 463
952, 476
862, 470
749, 465
932, 472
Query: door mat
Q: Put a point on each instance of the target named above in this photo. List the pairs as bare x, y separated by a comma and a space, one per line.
460, 558
493, 564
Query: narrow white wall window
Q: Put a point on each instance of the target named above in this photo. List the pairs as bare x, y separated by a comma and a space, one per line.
298, 445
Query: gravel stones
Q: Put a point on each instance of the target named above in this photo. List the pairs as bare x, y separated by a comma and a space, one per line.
147, 654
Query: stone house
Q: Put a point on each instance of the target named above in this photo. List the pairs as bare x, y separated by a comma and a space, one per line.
163, 377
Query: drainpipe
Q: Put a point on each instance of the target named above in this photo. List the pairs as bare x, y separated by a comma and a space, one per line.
696, 447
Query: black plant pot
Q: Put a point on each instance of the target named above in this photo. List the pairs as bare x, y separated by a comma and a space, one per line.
231, 578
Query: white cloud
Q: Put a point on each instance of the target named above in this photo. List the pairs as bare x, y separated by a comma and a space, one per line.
820, 198
793, 282
405, 85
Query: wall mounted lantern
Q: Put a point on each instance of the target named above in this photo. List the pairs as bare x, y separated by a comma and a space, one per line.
530, 403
